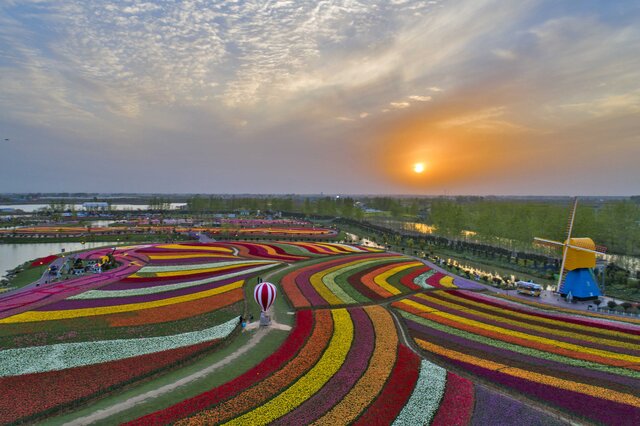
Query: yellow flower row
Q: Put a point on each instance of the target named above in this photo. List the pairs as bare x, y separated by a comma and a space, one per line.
525, 336
328, 277
32, 316
381, 279
188, 256
374, 378
331, 247
324, 281
595, 391
180, 273
323, 290
528, 317
447, 282
528, 325
196, 247
311, 382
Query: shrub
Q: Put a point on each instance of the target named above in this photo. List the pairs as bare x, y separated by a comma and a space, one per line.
611, 304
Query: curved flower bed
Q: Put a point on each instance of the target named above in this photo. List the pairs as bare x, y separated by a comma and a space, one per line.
154, 287
338, 367
572, 312
234, 270
333, 248
27, 396
352, 280
38, 359
95, 307
589, 368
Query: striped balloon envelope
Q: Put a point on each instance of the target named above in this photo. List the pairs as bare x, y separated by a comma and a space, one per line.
264, 294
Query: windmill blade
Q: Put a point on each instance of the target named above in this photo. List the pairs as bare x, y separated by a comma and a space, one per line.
601, 249
572, 216
596, 251
548, 243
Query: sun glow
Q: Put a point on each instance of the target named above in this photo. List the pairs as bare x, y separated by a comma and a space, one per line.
418, 167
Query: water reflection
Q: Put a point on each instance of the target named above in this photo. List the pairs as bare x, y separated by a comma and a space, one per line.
12, 255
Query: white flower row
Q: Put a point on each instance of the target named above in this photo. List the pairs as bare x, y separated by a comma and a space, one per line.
426, 396
39, 359
102, 294
421, 280
195, 267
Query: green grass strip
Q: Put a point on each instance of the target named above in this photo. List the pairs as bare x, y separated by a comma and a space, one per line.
343, 278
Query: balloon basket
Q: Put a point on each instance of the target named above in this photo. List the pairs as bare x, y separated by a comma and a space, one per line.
265, 320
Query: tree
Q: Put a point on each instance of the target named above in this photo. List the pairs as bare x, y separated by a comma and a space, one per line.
611, 304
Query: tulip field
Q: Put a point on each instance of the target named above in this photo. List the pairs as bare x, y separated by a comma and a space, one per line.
374, 338
587, 367
344, 366
359, 279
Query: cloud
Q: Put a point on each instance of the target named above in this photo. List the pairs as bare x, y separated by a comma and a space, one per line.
225, 78
420, 98
400, 105
504, 54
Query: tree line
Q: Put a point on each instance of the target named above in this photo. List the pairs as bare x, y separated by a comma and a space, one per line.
511, 224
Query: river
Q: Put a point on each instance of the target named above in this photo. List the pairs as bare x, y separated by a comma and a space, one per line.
12, 255
29, 208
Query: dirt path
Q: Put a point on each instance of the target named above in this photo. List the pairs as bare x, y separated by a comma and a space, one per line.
260, 333
142, 398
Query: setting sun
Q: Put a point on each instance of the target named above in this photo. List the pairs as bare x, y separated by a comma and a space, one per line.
418, 167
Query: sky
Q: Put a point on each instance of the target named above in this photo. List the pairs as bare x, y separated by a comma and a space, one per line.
496, 97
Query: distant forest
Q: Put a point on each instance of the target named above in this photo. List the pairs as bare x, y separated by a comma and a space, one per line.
507, 223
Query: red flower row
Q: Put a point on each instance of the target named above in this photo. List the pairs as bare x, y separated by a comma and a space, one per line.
22, 397
276, 361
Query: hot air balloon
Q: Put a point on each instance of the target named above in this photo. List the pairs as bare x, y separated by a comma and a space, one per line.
264, 294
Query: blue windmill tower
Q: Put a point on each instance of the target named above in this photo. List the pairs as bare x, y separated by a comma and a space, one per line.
576, 279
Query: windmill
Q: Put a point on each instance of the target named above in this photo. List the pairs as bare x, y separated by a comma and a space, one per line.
576, 280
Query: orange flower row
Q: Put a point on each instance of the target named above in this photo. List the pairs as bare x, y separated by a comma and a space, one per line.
176, 312
274, 384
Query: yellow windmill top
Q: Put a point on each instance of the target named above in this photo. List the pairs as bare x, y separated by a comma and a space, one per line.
580, 258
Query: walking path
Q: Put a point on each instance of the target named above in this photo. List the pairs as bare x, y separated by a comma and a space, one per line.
253, 327
142, 398
46, 276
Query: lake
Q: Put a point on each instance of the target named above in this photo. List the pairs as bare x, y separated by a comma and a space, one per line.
12, 255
